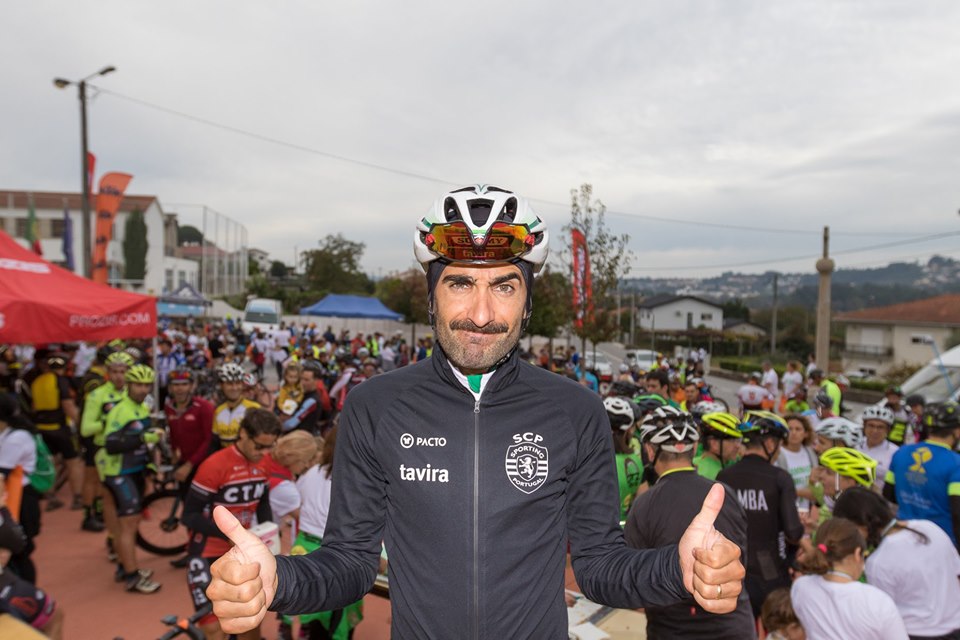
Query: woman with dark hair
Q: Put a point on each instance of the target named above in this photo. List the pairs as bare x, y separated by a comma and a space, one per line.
830, 601
913, 561
18, 449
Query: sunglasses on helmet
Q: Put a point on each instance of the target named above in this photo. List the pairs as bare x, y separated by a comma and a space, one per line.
503, 242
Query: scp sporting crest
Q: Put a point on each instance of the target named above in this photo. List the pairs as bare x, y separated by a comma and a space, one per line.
527, 466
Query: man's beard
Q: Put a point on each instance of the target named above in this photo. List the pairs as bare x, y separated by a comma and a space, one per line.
467, 356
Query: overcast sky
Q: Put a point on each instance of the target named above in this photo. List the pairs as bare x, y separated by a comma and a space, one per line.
779, 115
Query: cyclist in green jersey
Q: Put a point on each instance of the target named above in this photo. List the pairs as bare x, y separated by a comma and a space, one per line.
623, 416
97, 404
122, 463
721, 438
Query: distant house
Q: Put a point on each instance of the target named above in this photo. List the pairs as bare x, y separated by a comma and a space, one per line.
667, 312
899, 334
744, 329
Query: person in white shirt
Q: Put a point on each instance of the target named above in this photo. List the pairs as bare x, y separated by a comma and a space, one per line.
798, 458
769, 380
877, 421
830, 601
791, 379
752, 395
913, 561
811, 365
83, 359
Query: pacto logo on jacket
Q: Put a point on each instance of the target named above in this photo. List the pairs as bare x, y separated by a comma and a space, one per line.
527, 462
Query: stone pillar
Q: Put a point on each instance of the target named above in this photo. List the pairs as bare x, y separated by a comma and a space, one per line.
825, 266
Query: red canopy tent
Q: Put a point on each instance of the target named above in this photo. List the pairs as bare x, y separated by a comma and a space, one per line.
41, 302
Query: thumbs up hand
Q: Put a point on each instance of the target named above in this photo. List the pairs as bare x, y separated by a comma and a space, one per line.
243, 581
710, 563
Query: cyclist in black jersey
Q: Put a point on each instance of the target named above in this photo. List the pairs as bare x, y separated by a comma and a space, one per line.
767, 494
660, 516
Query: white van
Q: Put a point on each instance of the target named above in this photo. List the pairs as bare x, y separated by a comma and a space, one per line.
262, 314
930, 381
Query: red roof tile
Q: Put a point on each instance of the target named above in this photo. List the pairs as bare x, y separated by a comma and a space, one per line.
57, 200
944, 310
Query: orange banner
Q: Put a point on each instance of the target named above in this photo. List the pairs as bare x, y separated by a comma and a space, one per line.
109, 196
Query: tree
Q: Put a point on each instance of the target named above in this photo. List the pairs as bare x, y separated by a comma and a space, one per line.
277, 269
609, 262
406, 293
551, 303
253, 267
735, 308
187, 234
135, 246
335, 266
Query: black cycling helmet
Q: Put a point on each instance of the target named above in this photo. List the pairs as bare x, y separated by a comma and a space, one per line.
762, 424
649, 402
624, 388
941, 416
823, 399
914, 400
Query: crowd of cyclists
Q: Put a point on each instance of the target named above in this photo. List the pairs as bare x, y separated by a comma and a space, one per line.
816, 500
848, 526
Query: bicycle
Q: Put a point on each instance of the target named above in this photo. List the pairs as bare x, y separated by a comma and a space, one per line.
183, 626
161, 531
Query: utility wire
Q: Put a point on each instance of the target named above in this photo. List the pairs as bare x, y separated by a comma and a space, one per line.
772, 261
447, 183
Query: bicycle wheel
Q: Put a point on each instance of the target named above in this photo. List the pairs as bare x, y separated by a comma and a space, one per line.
160, 530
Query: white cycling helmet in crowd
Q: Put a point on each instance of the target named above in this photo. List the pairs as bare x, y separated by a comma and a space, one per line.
669, 429
230, 372
837, 428
877, 412
481, 224
621, 412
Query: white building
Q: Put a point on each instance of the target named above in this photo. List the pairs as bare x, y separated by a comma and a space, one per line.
261, 257
679, 313
883, 338
166, 268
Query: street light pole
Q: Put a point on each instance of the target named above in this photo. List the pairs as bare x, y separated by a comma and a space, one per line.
60, 83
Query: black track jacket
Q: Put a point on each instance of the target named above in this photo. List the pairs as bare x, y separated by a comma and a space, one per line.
475, 502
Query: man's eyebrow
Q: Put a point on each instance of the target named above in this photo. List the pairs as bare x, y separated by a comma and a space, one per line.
458, 278
505, 278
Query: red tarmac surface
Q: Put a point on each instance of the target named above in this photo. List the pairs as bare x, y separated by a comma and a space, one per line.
72, 566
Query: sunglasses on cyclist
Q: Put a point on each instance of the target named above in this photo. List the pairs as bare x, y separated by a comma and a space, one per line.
502, 242
262, 447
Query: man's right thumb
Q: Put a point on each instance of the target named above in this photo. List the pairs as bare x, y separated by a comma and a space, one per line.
231, 527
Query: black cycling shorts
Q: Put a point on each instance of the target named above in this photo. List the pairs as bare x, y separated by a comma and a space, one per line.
198, 579
89, 452
25, 602
60, 441
127, 492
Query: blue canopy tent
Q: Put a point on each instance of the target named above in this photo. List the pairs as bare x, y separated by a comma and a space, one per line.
343, 306
185, 301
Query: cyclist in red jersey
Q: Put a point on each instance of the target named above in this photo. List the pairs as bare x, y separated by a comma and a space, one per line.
231, 477
190, 419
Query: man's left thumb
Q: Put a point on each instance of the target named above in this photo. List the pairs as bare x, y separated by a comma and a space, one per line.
710, 509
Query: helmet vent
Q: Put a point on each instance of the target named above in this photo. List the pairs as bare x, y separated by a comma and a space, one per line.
451, 211
509, 212
480, 211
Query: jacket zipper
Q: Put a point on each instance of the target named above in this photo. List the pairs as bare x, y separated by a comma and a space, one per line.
476, 519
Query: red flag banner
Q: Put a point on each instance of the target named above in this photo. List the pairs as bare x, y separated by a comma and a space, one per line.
91, 163
582, 289
109, 196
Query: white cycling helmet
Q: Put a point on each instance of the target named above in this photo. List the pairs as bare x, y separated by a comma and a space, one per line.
481, 224
877, 412
620, 411
837, 428
670, 429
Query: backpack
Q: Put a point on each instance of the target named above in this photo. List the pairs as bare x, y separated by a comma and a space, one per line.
44, 473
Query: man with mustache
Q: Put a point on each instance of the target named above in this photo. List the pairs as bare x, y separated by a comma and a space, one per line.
475, 469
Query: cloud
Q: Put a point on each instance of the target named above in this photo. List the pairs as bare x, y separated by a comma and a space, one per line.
776, 115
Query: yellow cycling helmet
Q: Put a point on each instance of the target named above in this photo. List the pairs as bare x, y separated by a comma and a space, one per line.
722, 424
762, 423
140, 373
851, 463
119, 359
